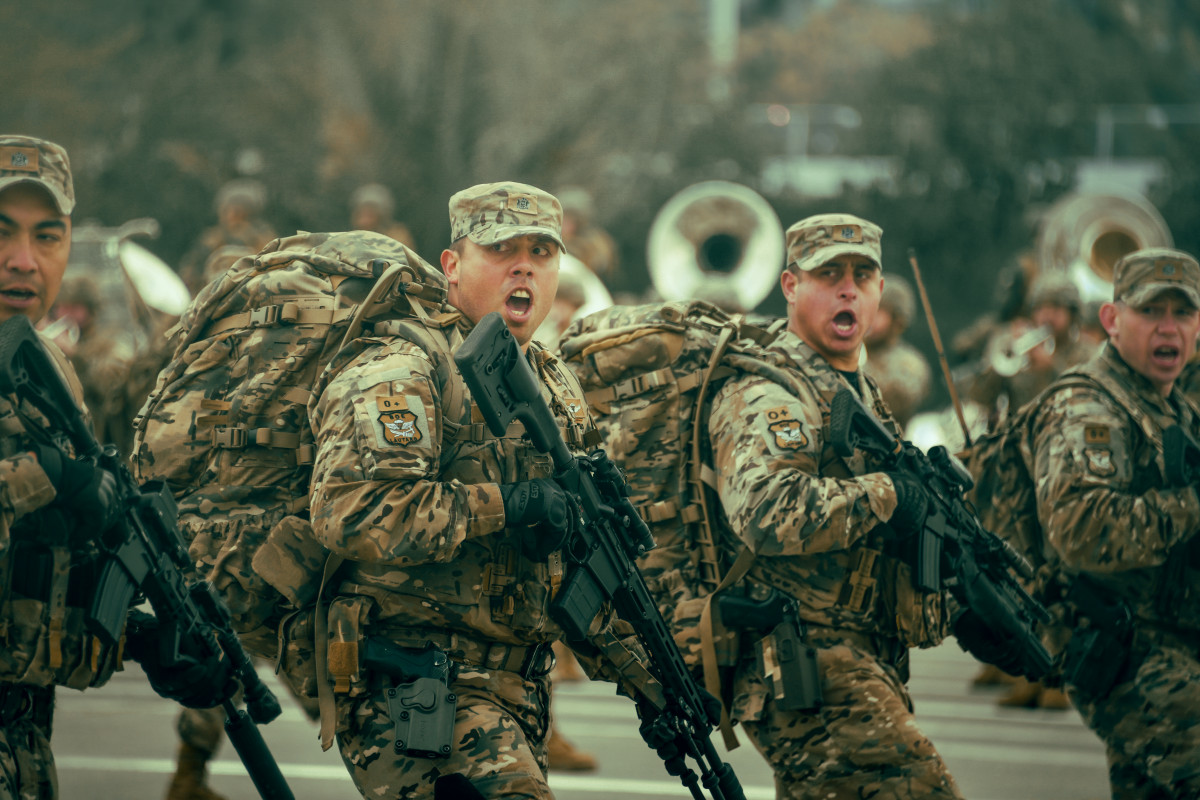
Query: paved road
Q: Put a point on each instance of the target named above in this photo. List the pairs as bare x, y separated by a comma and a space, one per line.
117, 743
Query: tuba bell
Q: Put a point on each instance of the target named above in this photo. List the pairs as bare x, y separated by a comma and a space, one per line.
716, 241
1085, 234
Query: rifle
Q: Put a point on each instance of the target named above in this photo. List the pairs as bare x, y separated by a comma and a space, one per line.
143, 556
600, 551
953, 551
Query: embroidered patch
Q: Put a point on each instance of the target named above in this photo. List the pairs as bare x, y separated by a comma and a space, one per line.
19, 159
523, 203
575, 408
399, 424
1096, 434
788, 431
1099, 461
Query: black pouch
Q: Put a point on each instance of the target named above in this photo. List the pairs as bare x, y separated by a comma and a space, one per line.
1097, 659
790, 668
420, 702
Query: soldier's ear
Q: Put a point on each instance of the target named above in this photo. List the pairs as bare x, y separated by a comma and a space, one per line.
450, 266
1108, 318
787, 282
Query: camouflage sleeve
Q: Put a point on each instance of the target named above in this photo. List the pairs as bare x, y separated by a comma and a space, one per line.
1084, 470
377, 494
767, 445
23, 488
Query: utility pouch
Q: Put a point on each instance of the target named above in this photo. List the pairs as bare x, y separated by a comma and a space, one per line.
420, 703
790, 669
1095, 660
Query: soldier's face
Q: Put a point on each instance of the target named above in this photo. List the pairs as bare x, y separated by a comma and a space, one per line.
517, 277
1156, 338
35, 242
833, 306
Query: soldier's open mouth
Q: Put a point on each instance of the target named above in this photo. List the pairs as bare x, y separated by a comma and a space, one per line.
1166, 352
18, 294
519, 302
844, 322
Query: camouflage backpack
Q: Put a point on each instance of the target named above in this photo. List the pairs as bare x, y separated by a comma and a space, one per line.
227, 425
649, 374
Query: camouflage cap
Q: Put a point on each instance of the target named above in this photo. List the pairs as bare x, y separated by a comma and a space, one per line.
1142, 275
24, 159
813, 241
493, 212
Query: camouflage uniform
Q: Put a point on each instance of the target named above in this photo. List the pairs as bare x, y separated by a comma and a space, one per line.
44, 643
809, 517
406, 488
1109, 513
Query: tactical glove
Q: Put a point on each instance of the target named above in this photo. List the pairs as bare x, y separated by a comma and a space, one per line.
541, 511
662, 730
975, 637
188, 680
87, 491
912, 504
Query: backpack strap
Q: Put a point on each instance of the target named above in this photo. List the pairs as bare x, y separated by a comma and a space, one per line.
325, 699
307, 310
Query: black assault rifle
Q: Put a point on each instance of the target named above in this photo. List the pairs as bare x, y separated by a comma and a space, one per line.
143, 555
953, 551
600, 550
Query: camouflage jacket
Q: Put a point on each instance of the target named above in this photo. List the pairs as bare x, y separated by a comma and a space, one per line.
406, 487
1103, 502
903, 376
42, 637
809, 515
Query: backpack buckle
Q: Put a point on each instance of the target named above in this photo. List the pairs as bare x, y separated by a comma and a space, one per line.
267, 315
230, 438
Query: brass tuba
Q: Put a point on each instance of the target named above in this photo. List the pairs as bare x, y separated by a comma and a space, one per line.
1085, 234
716, 241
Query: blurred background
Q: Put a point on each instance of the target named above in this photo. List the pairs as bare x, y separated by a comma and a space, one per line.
955, 124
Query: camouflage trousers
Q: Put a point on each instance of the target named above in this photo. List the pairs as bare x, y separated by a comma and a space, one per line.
26, 764
863, 742
1150, 728
499, 740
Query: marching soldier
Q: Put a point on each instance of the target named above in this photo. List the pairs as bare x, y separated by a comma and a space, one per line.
1120, 530
901, 371
819, 528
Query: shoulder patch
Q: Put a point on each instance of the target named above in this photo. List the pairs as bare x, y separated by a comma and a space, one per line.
788, 431
399, 424
1100, 461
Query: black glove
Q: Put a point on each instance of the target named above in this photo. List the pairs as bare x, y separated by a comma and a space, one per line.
660, 729
541, 511
912, 504
87, 491
189, 681
975, 637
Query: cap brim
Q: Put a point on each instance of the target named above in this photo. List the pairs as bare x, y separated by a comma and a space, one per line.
827, 253
61, 201
490, 234
1146, 293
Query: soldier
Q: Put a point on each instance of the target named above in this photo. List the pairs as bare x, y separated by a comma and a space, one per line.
239, 206
45, 643
1120, 530
371, 209
899, 368
1055, 310
820, 528
450, 535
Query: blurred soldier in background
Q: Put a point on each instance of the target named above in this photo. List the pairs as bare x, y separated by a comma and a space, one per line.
819, 526
239, 205
1012, 287
372, 207
901, 371
1022, 361
1120, 519
586, 240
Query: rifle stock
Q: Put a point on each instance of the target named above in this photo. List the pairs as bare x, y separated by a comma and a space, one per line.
143, 554
954, 551
601, 550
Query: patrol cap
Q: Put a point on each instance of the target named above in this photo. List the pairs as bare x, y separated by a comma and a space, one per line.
24, 159
1142, 275
813, 241
494, 212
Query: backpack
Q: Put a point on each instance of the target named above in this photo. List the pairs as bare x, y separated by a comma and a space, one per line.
1004, 494
649, 374
226, 426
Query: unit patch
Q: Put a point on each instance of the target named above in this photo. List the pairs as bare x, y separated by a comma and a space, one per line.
399, 425
788, 431
1100, 461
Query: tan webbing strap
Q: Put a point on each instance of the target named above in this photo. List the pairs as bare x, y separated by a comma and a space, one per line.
236, 437
325, 701
59, 581
288, 313
630, 387
708, 644
710, 569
